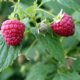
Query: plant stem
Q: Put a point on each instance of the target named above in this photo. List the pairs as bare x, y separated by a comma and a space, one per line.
31, 46
40, 4
18, 1
45, 12
16, 6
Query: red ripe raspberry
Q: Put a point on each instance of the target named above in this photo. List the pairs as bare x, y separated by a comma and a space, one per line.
65, 27
13, 31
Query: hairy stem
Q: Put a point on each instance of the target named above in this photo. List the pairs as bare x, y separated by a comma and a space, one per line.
38, 9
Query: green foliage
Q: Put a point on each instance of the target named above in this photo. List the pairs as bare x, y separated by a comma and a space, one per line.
6, 74
77, 34
69, 43
70, 3
67, 76
76, 16
39, 71
7, 54
31, 11
52, 47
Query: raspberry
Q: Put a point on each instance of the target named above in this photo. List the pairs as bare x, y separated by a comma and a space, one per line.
13, 31
64, 27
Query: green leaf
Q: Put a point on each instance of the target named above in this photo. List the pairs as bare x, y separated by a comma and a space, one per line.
7, 54
40, 71
77, 31
44, 1
4, 75
11, 16
26, 2
21, 13
52, 45
76, 16
31, 11
47, 44
67, 76
55, 7
69, 43
34, 50
70, 4
26, 22
0, 1
76, 64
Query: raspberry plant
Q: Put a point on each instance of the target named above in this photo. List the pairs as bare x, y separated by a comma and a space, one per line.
49, 53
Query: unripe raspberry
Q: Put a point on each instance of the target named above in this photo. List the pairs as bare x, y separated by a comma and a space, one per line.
64, 27
13, 32
22, 59
43, 27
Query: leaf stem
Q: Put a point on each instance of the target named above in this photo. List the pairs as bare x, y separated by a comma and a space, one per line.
38, 9
40, 4
18, 1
